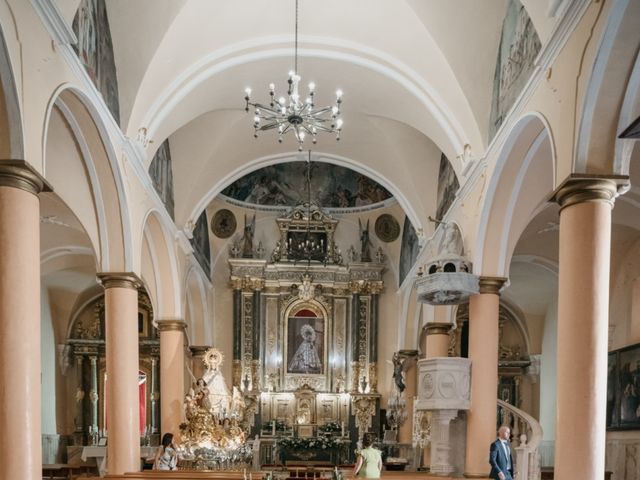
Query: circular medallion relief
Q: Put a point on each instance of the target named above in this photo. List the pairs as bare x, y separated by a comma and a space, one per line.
427, 385
447, 385
387, 228
224, 223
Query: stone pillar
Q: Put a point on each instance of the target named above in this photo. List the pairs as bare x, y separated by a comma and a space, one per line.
405, 432
583, 308
155, 396
20, 396
122, 402
437, 345
197, 365
237, 334
79, 420
483, 353
440, 441
93, 393
171, 374
437, 339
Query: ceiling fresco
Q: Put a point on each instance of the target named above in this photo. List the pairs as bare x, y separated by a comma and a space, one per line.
332, 186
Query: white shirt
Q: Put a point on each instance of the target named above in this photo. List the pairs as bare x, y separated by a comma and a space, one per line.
507, 452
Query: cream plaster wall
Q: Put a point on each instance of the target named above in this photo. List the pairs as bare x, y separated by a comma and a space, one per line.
49, 364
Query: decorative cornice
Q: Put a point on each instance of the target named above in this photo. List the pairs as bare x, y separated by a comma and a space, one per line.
491, 285
438, 328
171, 326
119, 280
54, 22
579, 188
19, 174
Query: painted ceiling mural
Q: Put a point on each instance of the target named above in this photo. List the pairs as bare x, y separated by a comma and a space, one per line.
95, 50
448, 186
518, 49
332, 186
161, 173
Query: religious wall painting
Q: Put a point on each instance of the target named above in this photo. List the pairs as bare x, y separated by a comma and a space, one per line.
517, 51
612, 380
332, 186
161, 173
448, 186
200, 243
95, 50
408, 251
623, 389
305, 349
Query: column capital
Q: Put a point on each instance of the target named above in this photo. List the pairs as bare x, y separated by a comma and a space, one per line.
491, 284
198, 350
171, 325
19, 174
579, 188
119, 280
438, 328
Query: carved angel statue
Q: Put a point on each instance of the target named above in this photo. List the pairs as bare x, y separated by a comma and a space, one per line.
365, 242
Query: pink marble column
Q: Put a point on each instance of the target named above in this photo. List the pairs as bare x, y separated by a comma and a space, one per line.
483, 353
20, 422
121, 329
583, 307
171, 374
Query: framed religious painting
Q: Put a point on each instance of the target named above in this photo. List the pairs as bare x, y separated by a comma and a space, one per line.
612, 391
305, 341
628, 388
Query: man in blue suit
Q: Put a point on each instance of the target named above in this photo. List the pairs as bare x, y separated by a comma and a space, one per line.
500, 456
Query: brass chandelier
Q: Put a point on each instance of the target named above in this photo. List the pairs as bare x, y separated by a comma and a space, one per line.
292, 113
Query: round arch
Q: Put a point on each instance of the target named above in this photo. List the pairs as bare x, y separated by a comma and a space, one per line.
597, 149
523, 180
12, 141
160, 269
196, 305
266, 161
92, 195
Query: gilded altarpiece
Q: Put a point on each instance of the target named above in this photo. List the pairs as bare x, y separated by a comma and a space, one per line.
305, 337
84, 352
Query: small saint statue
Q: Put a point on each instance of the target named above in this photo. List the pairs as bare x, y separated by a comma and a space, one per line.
365, 243
249, 230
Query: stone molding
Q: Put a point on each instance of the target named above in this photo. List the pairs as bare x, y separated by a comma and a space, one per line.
444, 384
491, 285
579, 188
171, 325
119, 280
19, 174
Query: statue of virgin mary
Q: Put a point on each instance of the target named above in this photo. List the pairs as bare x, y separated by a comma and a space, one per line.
219, 394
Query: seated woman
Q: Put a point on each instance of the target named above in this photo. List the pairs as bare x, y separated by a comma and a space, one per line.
166, 456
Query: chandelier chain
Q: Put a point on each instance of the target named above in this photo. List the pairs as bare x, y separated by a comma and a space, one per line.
295, 57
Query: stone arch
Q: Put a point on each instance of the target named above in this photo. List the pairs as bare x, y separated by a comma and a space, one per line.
196, 306
599, 123
100, 187
523, 180
259, 163
160, 269
12, 141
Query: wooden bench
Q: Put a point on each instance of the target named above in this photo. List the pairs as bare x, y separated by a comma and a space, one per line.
205, 475
64, 471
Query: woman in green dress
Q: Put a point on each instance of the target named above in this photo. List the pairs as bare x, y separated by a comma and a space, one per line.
369, 463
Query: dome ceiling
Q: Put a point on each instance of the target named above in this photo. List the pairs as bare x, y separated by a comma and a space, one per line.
284, 184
